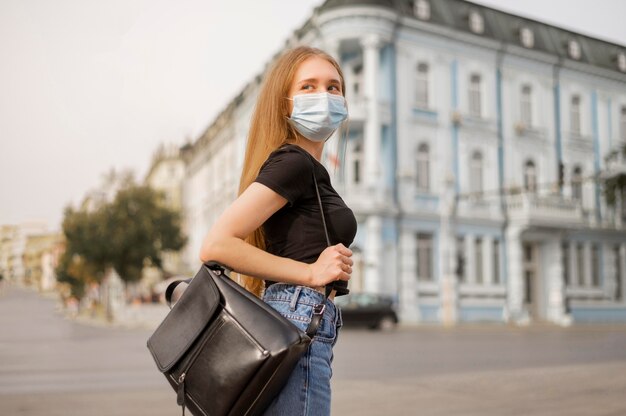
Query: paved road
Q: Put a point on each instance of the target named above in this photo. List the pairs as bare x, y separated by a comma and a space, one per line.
50, 365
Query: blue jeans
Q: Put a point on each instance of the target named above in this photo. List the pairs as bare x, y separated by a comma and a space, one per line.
307, 392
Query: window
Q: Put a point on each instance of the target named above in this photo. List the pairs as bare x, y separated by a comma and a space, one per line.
595, 265
421, 85
476, 173
577, 184
580, 264
475, 108
622, 124
574, 115
358, 82
621, 61
527, 37
618, 273
423, 167
479, 260
476, 23
565, 257
460, 259
573, 49
530, 176
425, 257
357, 167
526, 107
496, 262
421, 9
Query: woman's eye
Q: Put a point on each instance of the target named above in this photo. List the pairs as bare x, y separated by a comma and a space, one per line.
307, 86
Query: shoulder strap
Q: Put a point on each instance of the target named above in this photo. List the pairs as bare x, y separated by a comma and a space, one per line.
318, 310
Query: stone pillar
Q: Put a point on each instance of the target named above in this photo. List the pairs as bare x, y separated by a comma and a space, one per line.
373, 253
622, 260
470, 259
488, 272
371, 57
409, 310
587, 264
447, 252
555, 285
515, 279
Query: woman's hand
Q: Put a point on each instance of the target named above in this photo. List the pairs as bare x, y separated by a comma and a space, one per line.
333, 264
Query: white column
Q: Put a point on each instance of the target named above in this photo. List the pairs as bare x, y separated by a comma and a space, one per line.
470, 259
488, 271
622, 277
409, 311
371, 57
373, 253
515, 282
587, 264
447, 261
555, 285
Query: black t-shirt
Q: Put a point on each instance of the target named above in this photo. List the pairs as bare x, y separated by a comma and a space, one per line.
296, 231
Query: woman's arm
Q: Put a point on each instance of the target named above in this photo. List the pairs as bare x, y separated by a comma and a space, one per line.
225, 244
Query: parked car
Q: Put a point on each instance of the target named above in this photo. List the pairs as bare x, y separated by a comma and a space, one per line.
367, 309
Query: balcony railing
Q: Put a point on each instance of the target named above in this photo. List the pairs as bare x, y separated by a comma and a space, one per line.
545, 210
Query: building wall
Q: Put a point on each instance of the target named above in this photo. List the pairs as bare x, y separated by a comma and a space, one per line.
487, 235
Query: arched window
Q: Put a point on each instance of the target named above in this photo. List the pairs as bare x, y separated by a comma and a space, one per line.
577, 183
526, 107
475, 105
574, 115
476, 22
530, 176
421, 85
527, 37
422, 9
423, 167
476, 173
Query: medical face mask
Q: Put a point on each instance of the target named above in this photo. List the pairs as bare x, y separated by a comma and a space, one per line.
317, 116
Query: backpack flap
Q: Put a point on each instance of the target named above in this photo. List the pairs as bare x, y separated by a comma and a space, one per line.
184, 323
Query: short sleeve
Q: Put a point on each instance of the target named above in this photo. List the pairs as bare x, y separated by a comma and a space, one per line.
287, 172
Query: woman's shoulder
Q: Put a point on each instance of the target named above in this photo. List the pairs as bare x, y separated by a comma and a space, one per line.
291, 155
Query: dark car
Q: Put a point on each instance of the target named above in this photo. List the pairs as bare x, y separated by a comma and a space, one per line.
367, 309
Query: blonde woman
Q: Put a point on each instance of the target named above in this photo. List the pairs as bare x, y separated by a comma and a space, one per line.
273, 232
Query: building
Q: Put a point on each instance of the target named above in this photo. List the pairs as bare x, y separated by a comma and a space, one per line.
13, 239
475, 140
41, 258
166, 175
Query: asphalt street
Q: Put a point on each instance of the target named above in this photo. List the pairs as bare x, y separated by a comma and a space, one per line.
52, 365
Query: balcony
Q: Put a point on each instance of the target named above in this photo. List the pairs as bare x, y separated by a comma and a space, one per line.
544, 210
358, 110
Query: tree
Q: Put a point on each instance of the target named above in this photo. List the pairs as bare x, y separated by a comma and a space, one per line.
126, 233
615, 179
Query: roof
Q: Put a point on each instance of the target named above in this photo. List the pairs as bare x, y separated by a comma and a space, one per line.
502, 26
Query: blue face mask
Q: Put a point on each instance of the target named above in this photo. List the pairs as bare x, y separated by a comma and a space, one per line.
317, 116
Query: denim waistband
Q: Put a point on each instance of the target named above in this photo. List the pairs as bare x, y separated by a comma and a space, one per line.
306, 295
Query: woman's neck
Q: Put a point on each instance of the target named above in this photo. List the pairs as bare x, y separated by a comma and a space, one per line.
314, 148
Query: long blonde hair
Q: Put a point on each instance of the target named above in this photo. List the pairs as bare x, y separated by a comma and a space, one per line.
269, 129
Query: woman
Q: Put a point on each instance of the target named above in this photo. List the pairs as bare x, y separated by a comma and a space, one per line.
273, 233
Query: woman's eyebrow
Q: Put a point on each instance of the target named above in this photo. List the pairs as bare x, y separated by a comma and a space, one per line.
315, 80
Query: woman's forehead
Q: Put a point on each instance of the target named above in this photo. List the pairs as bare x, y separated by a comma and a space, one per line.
316, 67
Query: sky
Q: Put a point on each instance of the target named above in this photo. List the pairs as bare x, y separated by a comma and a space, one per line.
90, 85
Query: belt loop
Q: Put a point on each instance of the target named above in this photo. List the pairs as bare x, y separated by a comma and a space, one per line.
294, 299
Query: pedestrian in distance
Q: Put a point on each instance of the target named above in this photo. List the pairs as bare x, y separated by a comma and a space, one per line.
273, 233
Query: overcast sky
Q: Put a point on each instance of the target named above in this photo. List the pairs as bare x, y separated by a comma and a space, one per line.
86, 85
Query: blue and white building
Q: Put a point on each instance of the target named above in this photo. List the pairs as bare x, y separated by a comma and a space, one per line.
470, 161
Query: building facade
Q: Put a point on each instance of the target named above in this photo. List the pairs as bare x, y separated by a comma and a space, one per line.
166, 175
472, 161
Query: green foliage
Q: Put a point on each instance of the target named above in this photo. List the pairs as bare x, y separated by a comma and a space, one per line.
126, 233
615, 185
